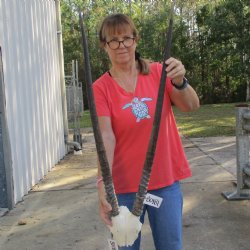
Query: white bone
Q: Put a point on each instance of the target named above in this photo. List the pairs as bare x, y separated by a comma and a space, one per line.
126, 227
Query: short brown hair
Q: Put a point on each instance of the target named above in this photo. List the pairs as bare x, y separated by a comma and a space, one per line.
117, 23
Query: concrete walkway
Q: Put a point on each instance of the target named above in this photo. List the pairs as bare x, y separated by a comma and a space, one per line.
61, 212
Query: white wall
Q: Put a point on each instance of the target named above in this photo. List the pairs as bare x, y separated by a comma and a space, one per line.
28, 37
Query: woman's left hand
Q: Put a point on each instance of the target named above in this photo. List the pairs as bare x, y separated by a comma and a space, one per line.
187, 99
175, 70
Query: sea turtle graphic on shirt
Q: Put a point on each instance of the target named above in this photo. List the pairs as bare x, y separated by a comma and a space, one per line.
139, 108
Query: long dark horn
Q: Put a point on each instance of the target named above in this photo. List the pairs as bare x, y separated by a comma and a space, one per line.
142, 190
105, 169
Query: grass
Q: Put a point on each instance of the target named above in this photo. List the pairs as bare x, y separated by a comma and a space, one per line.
85, 121
209, 120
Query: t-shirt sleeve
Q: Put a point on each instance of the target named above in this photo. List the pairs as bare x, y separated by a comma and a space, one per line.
158, 68
101, 100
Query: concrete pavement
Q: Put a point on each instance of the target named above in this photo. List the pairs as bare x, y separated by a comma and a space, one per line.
61, 212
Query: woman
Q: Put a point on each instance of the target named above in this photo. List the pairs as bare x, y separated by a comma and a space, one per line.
125, 99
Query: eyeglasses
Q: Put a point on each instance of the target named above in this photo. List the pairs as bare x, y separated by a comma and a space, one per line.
127, 42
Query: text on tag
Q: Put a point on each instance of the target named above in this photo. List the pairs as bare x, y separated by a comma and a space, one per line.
112, 245
152, 200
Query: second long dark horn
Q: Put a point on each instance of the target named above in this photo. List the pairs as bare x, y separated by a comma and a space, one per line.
143, 186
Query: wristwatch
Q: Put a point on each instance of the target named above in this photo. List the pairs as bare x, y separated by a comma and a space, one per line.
182, 86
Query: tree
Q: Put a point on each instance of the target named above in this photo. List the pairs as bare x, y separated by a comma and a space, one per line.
212, 39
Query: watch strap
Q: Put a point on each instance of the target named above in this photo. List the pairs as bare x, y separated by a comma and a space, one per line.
182, 86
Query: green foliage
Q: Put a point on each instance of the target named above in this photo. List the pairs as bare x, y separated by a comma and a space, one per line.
223, 49
212, 39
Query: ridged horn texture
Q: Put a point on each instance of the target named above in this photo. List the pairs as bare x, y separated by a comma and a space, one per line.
105, 169
143, 186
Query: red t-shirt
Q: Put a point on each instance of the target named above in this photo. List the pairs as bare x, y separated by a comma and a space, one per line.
132, 117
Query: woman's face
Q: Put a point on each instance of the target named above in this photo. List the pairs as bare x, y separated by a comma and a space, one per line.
125, 53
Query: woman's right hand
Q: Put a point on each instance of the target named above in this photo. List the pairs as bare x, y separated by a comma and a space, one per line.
104, 207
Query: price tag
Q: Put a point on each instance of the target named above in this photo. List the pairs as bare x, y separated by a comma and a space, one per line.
112, 245
153, 200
